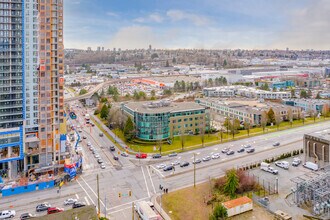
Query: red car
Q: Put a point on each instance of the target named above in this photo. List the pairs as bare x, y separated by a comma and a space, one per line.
52, 210
141, 156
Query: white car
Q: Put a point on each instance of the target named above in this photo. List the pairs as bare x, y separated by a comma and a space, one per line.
124, 154
207, 158
70, 201
215, 156
89, 144
7, 214
282, 164
161, 166
102, 166
247, 146
96, 156
175, 163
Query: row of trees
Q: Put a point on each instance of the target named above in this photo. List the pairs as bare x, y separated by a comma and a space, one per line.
185, 86
221, 81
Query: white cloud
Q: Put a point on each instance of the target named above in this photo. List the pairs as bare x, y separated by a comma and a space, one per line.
309, 28
153, 17
178, 15
135, 37
112, 14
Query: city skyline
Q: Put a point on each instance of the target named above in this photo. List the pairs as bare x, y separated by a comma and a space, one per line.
211, 24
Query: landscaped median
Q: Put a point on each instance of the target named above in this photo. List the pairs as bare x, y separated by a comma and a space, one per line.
191, 142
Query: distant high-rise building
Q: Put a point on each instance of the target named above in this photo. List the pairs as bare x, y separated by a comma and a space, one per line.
51, 80
89, 49
114, 49
150, 48
327, 72
98, 49
102, 49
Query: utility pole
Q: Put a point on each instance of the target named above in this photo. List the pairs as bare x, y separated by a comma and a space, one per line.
132, 210
194, 170
105, 207
98, 195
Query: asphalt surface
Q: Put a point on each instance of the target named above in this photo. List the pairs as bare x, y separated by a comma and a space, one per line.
142, 178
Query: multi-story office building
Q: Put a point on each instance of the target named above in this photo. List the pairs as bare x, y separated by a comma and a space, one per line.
50, 79
31, 84
162, 119
12, 85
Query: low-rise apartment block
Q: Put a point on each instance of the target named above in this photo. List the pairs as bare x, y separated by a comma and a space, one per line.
308, 105
247, 110
249, 92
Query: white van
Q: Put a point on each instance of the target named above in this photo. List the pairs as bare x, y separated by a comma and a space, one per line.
311, 166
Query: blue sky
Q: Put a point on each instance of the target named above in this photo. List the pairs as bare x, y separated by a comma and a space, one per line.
209, 24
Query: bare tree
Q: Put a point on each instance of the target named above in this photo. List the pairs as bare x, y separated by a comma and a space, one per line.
247, 126
182, 139
290, 116
264, 120
325, 110
278, 120
202, 135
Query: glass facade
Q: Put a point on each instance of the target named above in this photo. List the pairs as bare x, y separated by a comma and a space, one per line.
152, 126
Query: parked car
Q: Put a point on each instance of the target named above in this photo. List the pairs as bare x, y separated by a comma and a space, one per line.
241, 150
207, 158
99, 160
173, 154
311, 166
156, 156
27, 216
101, 134
161, 166
53, 210
231, 152
168, 168
42, 207
296, 161
102, 166
115, 158
78, 205
70, 201
184, 164
96, 156
276, 144
7, 214
225, 150
84, 137
112, 148
197, 161
282, 164
215, 156
89, 144
141, 155
266, 167
175, 163
250, 150
124, 154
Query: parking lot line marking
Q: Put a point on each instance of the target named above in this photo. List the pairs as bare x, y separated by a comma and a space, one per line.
145, 180
77, 196
88, 203
85, 191
152, 183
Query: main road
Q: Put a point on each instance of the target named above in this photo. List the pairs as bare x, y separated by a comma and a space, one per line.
142, 178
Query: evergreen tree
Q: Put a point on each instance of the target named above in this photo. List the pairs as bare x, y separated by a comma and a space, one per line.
232, 183
271, 116
104, 112
136, 95
129, 129
303, 94
219, 213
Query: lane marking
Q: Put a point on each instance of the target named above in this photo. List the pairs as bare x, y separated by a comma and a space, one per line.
88, 203
77, 196
152, 183
145, 180
85, 192
91, 190
157, 171
125, 204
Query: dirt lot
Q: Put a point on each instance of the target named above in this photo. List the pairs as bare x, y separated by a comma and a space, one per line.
189, 204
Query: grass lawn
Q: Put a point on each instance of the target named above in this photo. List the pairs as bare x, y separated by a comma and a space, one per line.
188, 203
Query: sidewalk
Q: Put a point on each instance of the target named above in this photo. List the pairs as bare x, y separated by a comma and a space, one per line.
157, 207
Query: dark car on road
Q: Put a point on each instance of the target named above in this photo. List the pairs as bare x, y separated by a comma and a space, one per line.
101, 134
115, 158
78, 205
276, 144
184, 164
112, 148
156, 156
168, 168
173, 154
241, 150
42, 207
250, 150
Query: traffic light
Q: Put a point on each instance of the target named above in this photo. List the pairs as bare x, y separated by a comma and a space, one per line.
130, 193
119, 195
